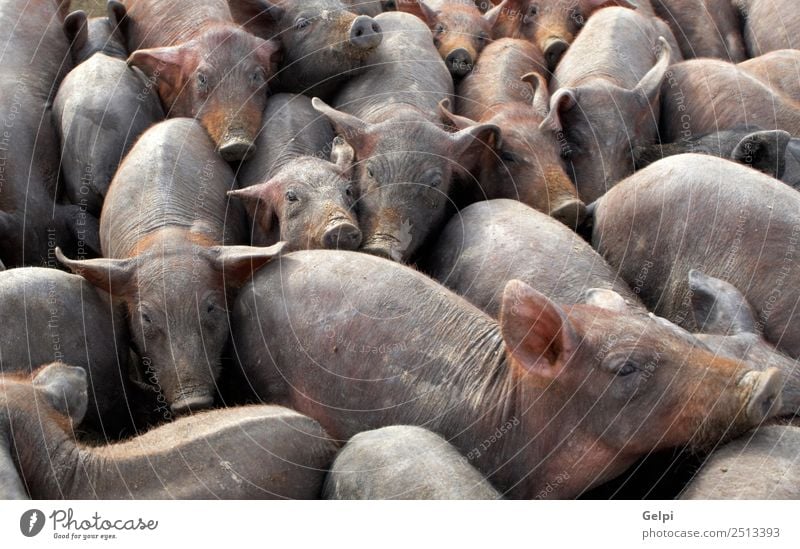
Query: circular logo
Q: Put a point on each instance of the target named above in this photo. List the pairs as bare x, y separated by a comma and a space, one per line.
31, 523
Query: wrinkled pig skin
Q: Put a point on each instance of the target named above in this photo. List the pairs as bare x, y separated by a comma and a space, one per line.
403, 462
169, 238
253, 452
468, 376
33, 221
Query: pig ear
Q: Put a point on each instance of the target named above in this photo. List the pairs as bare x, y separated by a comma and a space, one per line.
506, 6
469, 143
491, 16
538, 334
352, 129
343, 154
764, 151
83, 226
454, 120
650, 84
261, 201
541, 95
257, 16
561, 102
430, 16
605, 299
268, 54
413, 7
718, 307
65, 388
117, 16
111, 275
164, 64
238, 263
76, 29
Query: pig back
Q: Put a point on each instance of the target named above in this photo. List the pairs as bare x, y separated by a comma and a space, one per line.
172, 178
156, 23
291, 128
618, 45
406, 69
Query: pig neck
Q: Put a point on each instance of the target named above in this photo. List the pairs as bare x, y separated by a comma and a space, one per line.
376, 112
538, 444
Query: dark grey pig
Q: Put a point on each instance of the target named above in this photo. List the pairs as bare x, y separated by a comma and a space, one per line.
106, 35
297, 185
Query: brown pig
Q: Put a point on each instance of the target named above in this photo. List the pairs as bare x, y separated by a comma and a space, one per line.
550, 24
579, 391
460, 31
168, 237
704, 28
204, 66
523, 161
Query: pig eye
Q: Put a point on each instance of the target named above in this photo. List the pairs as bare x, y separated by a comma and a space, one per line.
577, 17
626, 368
349, 191
291, 196
302, 23
483, 37
257, 78
508, 156
369, 172
439, 28
202, 81
433, 178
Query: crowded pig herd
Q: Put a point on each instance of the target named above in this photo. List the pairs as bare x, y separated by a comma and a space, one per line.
400, 249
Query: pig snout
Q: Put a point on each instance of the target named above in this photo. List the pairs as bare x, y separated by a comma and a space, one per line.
765, 396
459, 62
236, 146
191, 400
365, 33
554, 48
571, 213
341, 235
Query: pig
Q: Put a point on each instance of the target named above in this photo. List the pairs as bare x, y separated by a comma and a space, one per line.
779, 69
265, 452
703, 96
406, 351
324, 43
290, 179
769, 25
204, 66
704, 28
759, 465
491, 243
51, 315
97, 35
605, 97
33, 218
404, 159
738, 225
403, 462
550, 24
460, 31
100, 110
773, 152
524, 162
170, 258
